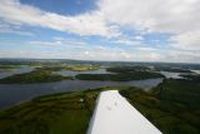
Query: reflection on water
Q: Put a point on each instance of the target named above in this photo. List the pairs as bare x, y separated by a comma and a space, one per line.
196, 71
15, 93
174, 75
11, 94
74, 73
9, 72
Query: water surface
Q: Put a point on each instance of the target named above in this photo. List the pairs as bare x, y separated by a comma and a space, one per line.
196, 71
11, 94
18, 70
74, 73
174, 75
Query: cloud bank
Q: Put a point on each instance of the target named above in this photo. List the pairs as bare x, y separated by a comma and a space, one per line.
179, 18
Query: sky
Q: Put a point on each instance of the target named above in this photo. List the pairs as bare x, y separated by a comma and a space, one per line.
103, 30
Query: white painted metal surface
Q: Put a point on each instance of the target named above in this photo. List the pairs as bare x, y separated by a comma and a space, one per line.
115, 115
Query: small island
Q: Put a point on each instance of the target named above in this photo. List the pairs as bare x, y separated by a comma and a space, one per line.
36, 76
122, 74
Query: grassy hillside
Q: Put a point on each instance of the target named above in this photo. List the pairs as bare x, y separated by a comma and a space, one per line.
66, 113
173, 106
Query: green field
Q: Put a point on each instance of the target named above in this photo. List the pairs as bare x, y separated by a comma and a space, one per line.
81, 68
78, 68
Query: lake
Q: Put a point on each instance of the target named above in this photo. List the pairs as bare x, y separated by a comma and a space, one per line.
11, 94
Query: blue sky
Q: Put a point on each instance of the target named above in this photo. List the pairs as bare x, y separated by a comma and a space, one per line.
65, 7
111, 30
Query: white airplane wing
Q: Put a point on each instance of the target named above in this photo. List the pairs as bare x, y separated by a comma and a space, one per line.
115, 115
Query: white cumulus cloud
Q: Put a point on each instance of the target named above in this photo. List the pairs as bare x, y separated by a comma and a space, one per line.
92, 23
179, 18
